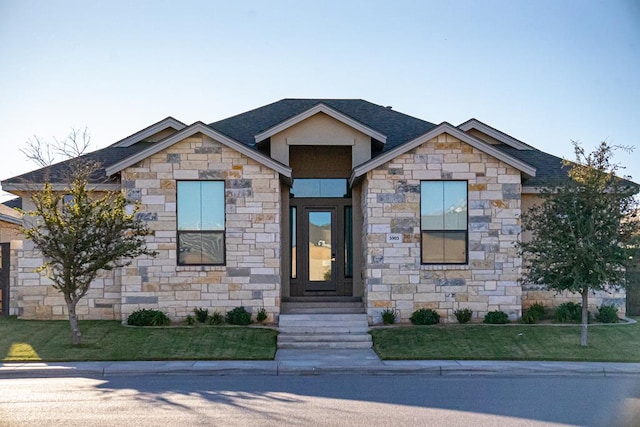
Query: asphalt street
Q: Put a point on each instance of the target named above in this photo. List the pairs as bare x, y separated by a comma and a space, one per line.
332, 400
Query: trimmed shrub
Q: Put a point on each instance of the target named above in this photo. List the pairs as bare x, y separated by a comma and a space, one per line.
607, 314
262, 315
463, 315
215, 319
389, 316
529, 317
568, 312
533, 314
425, 316
538, 310
239, 316
496, 317
148, 317
201, 314
190, 320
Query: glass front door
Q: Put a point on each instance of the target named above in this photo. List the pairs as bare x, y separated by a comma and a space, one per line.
321, 247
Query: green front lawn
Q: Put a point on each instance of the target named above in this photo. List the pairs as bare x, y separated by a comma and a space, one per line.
35, 340
610, 343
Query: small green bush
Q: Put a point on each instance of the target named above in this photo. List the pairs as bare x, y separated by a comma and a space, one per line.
239, 316
389, 316
529, 317
425, 316
215, 319
190, 320
262, 315
201, 314
496, 317
607, 314
463, 315
148, 317
568, 312
538, 310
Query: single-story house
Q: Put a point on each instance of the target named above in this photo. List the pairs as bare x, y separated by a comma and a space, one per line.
10, 230
319, 200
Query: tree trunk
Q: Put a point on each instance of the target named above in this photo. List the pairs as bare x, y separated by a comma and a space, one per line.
585, 317
73, 322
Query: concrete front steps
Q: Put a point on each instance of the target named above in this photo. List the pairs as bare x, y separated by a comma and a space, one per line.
323, 325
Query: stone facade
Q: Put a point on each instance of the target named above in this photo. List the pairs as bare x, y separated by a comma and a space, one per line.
251, 276
394, 276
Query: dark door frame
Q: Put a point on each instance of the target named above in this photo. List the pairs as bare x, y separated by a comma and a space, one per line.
300, 285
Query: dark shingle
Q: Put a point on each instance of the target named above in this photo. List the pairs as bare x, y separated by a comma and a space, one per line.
399, 128
59, 172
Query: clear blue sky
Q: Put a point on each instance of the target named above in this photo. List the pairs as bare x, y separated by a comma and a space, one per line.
544, 71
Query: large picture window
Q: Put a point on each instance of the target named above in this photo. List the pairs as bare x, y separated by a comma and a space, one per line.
200, 222
443, 222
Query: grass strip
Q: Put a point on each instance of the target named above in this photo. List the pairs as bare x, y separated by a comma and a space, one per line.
35, 340
607, 343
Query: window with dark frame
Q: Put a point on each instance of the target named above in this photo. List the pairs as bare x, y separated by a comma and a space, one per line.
443, 222
201, 222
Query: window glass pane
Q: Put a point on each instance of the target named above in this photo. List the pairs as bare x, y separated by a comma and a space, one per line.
348, 241
189, 206
431, 205
320, 246
212, 205
455, 246
317, 187
293, 232
432, 247
455, 205
189, 245
212, 248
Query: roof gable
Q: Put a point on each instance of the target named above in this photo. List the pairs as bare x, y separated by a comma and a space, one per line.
199, 127
168, 123
494, 133
444, 127
320, 108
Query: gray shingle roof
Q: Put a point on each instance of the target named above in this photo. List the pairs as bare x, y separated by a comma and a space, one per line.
399, 128
59, 171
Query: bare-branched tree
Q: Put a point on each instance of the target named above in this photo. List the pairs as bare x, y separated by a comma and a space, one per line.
45, 153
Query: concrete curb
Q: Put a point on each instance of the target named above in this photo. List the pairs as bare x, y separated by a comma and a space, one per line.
311, 367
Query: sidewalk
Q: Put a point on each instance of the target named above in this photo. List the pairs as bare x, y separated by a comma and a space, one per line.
311, 362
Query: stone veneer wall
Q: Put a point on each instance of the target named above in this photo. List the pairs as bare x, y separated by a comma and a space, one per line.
33, 296
251, 276
550, 299
394, 276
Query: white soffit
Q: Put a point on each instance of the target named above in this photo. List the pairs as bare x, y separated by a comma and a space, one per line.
169, 122
494, 133
321, 108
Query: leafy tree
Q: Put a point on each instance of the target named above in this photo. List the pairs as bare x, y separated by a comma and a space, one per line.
584, 230
82, 235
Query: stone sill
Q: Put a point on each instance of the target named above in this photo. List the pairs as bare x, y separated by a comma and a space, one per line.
444, 267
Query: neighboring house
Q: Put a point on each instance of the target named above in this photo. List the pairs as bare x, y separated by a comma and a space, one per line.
10, 225
309, 199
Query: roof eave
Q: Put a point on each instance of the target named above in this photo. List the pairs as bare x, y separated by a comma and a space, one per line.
494, 133
151, 130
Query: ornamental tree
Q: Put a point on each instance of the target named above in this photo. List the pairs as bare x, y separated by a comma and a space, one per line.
82, 234
584, 231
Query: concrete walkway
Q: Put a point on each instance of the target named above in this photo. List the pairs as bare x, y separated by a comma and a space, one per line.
318, 362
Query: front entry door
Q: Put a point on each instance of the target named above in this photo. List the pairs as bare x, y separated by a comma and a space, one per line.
320, 248
319, 231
